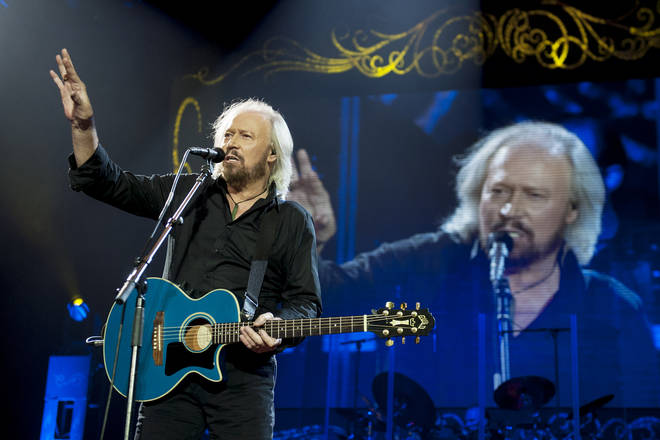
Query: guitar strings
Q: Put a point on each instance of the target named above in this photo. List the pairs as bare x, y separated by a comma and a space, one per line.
230, 330
306, 322
235, 335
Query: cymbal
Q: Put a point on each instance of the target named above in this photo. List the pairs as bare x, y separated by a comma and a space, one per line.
362, 417
595, 404
524, 392
412, 404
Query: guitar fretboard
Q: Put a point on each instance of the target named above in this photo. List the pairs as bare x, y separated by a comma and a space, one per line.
229, 332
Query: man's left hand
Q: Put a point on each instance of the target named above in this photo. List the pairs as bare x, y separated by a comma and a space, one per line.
259, 342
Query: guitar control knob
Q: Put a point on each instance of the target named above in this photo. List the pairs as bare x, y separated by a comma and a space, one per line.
389, 305
389, 343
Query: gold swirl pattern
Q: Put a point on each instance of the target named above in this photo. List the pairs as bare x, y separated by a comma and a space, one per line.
557, 36
177, 129
558, 43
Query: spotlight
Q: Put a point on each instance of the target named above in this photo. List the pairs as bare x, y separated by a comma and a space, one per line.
78, 309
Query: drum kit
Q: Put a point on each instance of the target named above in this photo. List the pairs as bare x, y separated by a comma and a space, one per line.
518, 415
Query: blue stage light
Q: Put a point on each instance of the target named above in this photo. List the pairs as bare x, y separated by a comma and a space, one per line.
78, 309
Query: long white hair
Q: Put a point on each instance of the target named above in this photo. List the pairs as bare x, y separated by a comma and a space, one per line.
587, 188
281, 140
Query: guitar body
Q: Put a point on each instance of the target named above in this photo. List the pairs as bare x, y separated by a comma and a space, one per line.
170, 351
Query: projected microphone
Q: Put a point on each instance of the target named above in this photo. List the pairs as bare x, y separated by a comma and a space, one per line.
213, 154
499, 246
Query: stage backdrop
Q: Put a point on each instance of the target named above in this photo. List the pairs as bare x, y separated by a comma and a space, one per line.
383, 96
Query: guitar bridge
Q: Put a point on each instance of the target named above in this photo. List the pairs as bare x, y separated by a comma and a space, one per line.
157, 338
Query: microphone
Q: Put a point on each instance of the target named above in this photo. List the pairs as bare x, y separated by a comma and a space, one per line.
499, 246
215, 155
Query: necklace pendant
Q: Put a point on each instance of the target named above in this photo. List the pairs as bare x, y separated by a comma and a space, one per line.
234, 211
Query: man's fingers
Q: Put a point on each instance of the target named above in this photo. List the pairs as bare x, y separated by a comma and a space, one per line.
60, 66
68, 64
251, 337
256, 339
56, 79
270, 342
261, 319
294, 172
305, 164
258, 342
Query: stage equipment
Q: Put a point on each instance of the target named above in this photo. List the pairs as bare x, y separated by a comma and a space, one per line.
525, 392
65, 403
413, 409
78, 309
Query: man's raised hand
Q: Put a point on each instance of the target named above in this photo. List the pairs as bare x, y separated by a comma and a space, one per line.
76, 104
308, 190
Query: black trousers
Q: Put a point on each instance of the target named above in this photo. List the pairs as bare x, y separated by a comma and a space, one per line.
239, 407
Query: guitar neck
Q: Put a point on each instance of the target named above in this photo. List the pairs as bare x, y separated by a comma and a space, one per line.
225, 333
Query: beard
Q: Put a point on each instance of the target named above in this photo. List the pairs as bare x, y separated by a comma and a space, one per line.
533, 253
520, 258
238, 176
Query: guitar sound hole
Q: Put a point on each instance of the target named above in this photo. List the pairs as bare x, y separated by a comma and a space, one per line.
198, 334
179, 357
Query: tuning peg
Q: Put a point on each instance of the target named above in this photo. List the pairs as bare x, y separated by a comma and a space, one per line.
389, 343
404, 306
389, 305
416, 339
417, 306
386, 332
403, 339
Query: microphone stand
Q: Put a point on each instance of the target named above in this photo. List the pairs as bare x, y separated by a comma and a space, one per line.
134, 281
503, 300
358, 347
500, 244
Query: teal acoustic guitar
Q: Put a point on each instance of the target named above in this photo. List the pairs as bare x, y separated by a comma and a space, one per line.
183, 335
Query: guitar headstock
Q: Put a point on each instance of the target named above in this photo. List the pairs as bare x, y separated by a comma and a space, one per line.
388, 322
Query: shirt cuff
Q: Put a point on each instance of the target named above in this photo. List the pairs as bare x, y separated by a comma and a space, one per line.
90, 171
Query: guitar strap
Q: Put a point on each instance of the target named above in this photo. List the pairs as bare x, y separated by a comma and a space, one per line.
259, 262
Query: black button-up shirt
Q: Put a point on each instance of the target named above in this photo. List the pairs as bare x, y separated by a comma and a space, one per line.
210, 250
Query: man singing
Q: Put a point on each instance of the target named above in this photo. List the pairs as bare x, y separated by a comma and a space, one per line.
539, 183
213, 249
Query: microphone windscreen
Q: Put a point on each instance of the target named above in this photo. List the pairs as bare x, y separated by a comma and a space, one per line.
500, 237
219, 157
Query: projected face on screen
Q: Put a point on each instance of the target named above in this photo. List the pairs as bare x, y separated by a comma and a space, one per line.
527, 193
